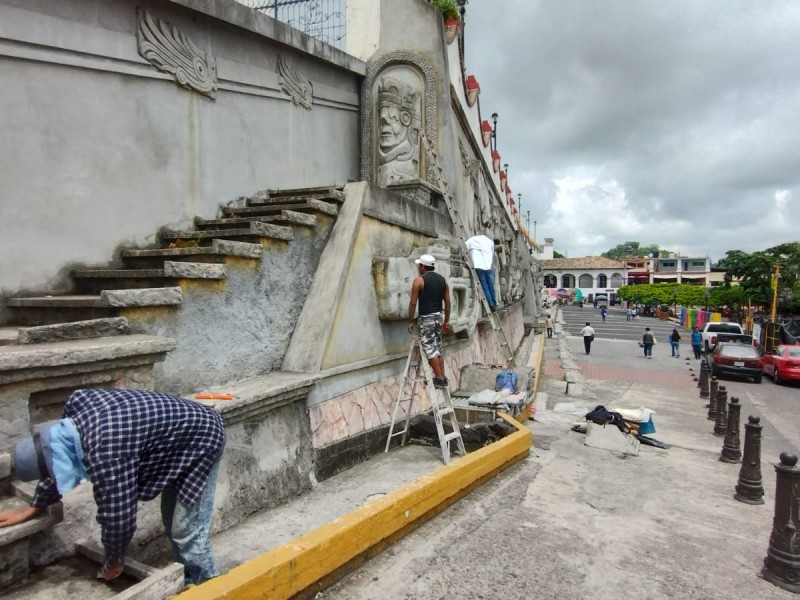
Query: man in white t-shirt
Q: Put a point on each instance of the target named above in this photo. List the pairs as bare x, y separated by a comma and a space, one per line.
588, 337
481, 251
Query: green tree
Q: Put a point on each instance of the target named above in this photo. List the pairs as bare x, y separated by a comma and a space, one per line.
630, 249
685, 295
557, 254
754, 271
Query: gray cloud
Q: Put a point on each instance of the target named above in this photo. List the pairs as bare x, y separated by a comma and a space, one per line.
688, 107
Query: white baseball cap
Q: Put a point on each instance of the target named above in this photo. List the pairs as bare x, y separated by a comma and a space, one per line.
426, 260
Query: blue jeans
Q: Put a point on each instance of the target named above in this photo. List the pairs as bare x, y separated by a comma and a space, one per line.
486, 277
676, 349
189, 529
648, 349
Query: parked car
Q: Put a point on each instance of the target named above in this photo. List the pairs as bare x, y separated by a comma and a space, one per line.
710, 331
742, 360
783, 363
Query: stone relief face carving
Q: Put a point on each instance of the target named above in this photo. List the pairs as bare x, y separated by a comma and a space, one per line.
399, 120
392, 277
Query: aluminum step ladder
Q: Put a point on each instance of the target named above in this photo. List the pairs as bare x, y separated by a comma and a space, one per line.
417, 368
462, 234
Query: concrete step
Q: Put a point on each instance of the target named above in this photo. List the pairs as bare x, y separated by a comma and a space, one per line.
285, 217
47, 310
215, 253
16, 362
285, 197
303, 205
97, 280
253, 233
8, 335
75, 330
334, 191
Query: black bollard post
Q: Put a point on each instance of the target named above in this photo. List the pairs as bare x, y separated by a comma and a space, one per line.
712, 400
749, 488
731, 449
721, 424
704, 377
703, 367
782, 563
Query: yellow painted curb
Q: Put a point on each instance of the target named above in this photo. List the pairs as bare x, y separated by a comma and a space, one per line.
317, 558
525, 413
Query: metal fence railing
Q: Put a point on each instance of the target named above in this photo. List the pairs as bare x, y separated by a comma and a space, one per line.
322, 19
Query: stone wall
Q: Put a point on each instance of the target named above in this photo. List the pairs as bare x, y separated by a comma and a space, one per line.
104, 142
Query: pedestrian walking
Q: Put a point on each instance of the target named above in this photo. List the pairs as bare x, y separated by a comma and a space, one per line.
647, 342
549, 325
628, 314
132, 445
431, 290
675, 343
697, 342
588, 337
603, 313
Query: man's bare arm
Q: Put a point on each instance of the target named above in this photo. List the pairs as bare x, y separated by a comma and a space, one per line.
416, 288
446, 307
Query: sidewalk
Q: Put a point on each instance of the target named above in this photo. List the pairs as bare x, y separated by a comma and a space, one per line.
574, 522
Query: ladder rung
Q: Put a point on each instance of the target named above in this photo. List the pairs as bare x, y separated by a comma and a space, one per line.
441, 412
451, 436
398, 433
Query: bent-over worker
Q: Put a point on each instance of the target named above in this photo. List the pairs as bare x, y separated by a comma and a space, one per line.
132, 445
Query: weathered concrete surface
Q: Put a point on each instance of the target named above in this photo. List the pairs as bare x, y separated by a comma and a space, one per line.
142, 297
15, 358
194, 270
609, 437
73, 331
582, 523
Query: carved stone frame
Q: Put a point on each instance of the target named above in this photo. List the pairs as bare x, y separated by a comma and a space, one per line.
374, 68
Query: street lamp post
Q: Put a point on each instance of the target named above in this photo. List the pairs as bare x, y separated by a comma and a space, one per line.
519, 198
494, 131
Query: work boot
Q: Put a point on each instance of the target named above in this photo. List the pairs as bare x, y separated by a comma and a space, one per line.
440, 382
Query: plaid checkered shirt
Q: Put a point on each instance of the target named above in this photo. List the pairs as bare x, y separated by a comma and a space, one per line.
135, 444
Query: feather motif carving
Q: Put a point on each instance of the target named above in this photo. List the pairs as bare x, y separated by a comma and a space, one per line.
171, 51
294, 85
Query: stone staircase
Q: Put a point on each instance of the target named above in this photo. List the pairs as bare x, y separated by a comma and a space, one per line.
151, 277
210, 306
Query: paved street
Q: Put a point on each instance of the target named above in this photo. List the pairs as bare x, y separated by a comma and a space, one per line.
575, 522
617, 327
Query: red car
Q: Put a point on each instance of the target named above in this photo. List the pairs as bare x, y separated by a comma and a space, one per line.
734, 358
783, 363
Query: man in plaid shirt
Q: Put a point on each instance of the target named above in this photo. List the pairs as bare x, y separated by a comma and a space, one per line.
132, 445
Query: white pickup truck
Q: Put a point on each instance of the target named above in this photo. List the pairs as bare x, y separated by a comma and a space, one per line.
710, 333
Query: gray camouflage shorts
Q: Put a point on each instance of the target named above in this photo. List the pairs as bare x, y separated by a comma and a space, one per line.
430, 333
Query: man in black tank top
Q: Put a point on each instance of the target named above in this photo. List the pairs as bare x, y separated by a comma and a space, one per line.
431, 290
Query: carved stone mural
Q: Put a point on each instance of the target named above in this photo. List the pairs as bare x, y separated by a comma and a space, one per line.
398, 99
170, 51
393, 276
293, 84
399, 118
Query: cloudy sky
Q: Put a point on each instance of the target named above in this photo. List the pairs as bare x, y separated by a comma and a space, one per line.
672, 123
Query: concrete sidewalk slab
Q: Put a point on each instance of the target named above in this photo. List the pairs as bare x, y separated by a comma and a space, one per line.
316, 558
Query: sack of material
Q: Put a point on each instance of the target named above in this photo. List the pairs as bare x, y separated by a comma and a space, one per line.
506, 380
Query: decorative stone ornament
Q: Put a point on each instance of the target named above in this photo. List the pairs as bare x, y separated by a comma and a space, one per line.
398, 96
782, 563
486, 133
495, 160
452, 27
749, 488
170, 51
502, 181
294, 85
399, 115
473, 90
